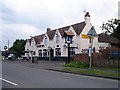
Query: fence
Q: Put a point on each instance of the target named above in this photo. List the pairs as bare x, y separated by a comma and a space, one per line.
106, 58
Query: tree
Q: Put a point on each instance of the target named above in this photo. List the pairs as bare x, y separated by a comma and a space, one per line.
18, 47
5, 47
111, 27
116, 32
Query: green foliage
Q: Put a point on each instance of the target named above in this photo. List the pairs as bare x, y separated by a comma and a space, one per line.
112, 72
116, 32
112, 27
18, 47
76, 64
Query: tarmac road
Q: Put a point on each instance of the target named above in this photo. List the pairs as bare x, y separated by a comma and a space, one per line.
19, 76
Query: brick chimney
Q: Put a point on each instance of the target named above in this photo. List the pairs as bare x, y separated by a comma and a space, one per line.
48, 29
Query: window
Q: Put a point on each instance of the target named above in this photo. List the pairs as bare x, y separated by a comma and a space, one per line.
101, 47
58, 52
46, 40
72, 51
44, 52
33, 52
40, 53
57, 38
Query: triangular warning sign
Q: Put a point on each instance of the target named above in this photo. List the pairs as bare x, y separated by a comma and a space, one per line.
92, 32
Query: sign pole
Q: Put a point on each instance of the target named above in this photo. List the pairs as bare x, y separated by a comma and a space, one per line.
90, 51
68, 52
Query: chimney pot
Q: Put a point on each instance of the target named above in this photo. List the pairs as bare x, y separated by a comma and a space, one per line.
48, 29
87, 14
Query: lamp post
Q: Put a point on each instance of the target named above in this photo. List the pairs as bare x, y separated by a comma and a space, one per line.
91, 33
68, 39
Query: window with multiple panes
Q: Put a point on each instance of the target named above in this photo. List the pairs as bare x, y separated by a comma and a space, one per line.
72, 51
57, 38
40, 53
45, 52
58, 51
46, 40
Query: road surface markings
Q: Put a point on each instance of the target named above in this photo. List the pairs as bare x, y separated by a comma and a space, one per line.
9, 81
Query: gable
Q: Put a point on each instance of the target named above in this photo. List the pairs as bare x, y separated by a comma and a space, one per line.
78, 28
57, 32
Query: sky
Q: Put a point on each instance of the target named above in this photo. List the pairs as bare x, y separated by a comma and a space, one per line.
20, 19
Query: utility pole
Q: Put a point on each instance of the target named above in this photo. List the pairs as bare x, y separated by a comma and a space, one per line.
8, 44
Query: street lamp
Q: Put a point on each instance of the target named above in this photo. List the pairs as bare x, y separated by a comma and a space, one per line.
91, 34
68, 39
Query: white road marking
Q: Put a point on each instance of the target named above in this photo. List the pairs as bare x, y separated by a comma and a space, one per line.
9, 81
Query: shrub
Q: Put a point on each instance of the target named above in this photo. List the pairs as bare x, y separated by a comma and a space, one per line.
77, 64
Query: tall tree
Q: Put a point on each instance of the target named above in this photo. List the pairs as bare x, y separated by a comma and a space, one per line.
116, 32
18, 47
111, 27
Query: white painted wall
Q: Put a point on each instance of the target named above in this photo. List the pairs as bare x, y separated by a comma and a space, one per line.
104, 45
78, 41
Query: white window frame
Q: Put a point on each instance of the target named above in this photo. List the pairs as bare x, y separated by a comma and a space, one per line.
72, 51
58, 52
45, 52
57, 38
46, 41
40, 53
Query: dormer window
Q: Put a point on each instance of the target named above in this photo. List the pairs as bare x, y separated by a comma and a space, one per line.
57, 38
46, 40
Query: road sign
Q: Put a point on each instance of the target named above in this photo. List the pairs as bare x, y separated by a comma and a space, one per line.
84, 36
92, 32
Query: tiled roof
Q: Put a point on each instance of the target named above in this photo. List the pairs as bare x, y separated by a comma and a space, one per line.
108, 39
63, 29
70, 33
51, 34
78, 27
39, 38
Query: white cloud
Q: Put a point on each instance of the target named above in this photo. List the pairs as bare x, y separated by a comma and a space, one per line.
19, 30
12, 32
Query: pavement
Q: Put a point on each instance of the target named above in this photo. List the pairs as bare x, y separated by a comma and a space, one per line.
42, 64
51, 65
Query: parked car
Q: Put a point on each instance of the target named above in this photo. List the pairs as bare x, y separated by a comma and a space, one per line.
11, 57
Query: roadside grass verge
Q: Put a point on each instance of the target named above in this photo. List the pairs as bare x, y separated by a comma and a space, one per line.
82, 68
76, 64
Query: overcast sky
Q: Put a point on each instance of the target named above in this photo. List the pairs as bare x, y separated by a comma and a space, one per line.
21, 19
